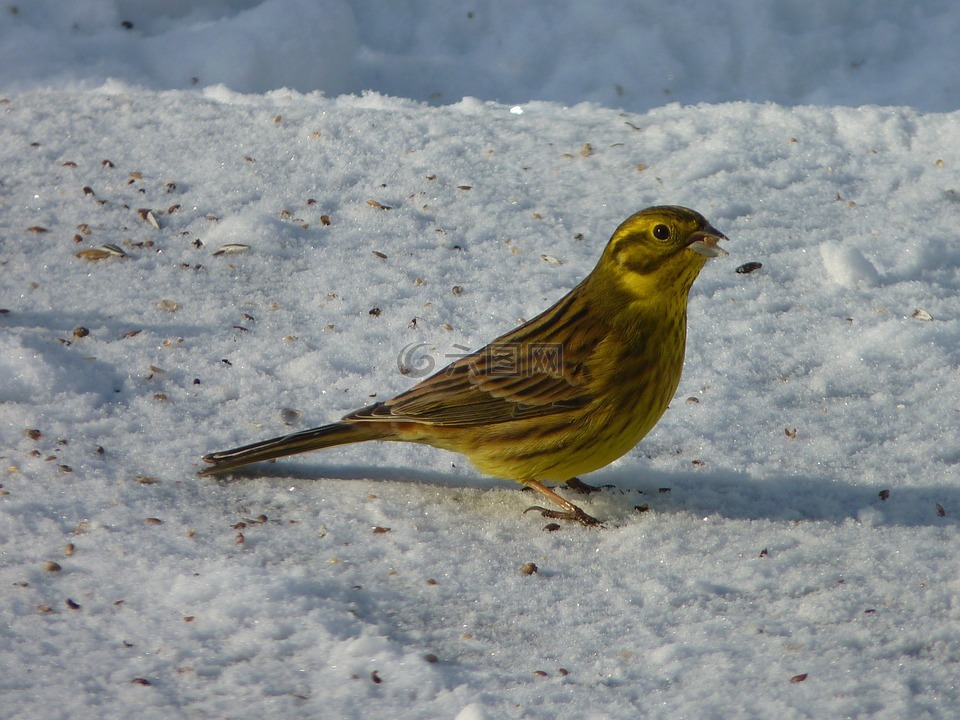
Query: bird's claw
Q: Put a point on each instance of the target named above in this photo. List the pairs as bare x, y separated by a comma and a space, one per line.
575, 515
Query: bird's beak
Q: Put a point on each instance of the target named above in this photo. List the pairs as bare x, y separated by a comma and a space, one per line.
705, 243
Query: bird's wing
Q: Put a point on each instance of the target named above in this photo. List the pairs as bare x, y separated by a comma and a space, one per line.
536, 370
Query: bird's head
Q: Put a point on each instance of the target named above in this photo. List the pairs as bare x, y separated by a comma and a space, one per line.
660, 250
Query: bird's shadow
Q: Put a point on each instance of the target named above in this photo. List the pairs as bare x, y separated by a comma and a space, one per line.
715, 493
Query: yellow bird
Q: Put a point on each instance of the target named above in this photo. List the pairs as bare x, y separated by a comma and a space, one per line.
567, 392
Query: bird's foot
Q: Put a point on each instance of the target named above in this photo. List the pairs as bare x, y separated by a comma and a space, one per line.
569, 512
574, 515
579, 486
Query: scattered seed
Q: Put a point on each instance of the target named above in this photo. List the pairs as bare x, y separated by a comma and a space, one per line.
693, 400
51, 566
884, 495
375, 678
551, 527
80, 332
324, 219
373, 203
173, 209
44, 609
231, 249
94, 254
457, 289
71, 604
749, 267
790, 433
551, 259
529, 568
586, 150
380, 530
170, 306
375, 312
141, 681
289, 416
540, 673
65, 468
153, 521
642, 508
132, 333
920, 314
798, 678
380, 255
239, 539
464, 187
68, 549
37, 229
87, 190
69, 163
941, 511
431, 581
33, 433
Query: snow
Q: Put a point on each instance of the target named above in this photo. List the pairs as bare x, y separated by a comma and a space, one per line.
798, 558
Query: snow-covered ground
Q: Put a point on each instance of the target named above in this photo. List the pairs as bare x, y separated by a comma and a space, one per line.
798, 558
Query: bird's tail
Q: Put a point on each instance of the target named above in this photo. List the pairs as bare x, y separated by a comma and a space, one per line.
314, 439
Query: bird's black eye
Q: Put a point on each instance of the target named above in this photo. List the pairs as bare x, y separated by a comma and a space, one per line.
661, 232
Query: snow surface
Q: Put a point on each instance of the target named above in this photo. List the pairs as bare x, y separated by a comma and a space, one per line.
799, 555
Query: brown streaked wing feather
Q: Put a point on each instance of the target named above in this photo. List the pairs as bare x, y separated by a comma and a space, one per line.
479, 389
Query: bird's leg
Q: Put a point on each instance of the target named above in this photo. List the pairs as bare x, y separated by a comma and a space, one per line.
578, 485
569, 512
